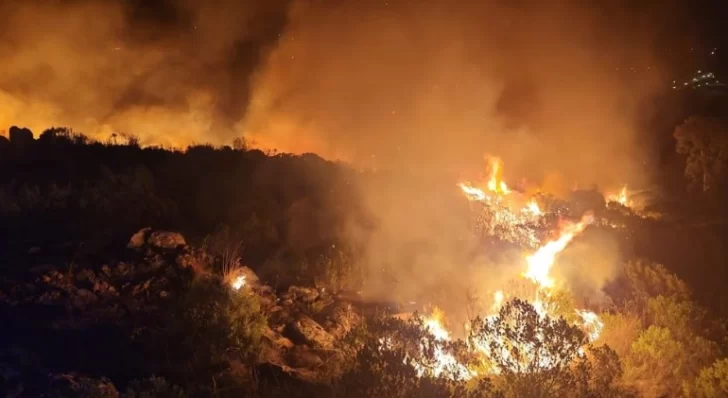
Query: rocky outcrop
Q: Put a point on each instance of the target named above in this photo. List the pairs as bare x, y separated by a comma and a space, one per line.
305, 330
166, 240
340, 319
305, 324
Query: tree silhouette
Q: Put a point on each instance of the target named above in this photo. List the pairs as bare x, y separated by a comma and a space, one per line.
704, 143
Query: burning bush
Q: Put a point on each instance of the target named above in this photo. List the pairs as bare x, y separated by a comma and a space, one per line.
399, 358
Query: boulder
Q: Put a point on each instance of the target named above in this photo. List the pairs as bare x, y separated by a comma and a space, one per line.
166, 240
341, 318
305, 294
308, 331
303, 357
276, 340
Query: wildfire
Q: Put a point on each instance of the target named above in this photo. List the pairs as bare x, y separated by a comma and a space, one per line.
495, 182
591, 323
498, 215
622, 197
443, 360
540, 263
532, 208
499, 212
473, 193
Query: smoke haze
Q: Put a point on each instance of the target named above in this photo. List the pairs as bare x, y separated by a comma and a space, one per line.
423, 85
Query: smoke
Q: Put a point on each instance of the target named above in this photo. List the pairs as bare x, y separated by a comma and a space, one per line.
553, 88
435, 85
423, 85
172, 73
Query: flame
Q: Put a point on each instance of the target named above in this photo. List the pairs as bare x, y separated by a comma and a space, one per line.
532, 208
515, 225
238, 282
443, 360
473, 193
495, 182
498, 298
622, 197
434, 323
592, 323
500, 213
540, 263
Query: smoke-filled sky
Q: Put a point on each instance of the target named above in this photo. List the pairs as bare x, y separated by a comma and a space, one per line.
429, 85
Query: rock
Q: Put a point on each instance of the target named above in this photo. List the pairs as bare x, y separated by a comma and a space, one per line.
106, 270
276, 340
305, 294
139, 239
306, 330
166, 240
303, 357
341, 318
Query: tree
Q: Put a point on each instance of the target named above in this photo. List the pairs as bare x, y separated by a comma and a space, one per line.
704, 143
712, 382
395, 359
533, 354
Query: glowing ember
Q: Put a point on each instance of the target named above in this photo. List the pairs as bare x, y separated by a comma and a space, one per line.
239, 282
539, 263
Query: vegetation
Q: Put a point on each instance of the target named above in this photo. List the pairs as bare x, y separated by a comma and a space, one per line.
285, 217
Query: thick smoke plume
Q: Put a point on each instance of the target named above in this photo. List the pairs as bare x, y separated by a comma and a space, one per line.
434, 85
172, 73
423, 86
426, 85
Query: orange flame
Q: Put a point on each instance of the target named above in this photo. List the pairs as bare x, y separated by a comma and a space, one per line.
539, 263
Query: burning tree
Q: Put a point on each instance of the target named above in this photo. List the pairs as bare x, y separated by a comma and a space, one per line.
534, 355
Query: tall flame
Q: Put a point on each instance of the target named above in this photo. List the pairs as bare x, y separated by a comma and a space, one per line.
539, 263
495, 182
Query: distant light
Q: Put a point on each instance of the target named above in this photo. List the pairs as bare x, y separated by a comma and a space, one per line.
700, 71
